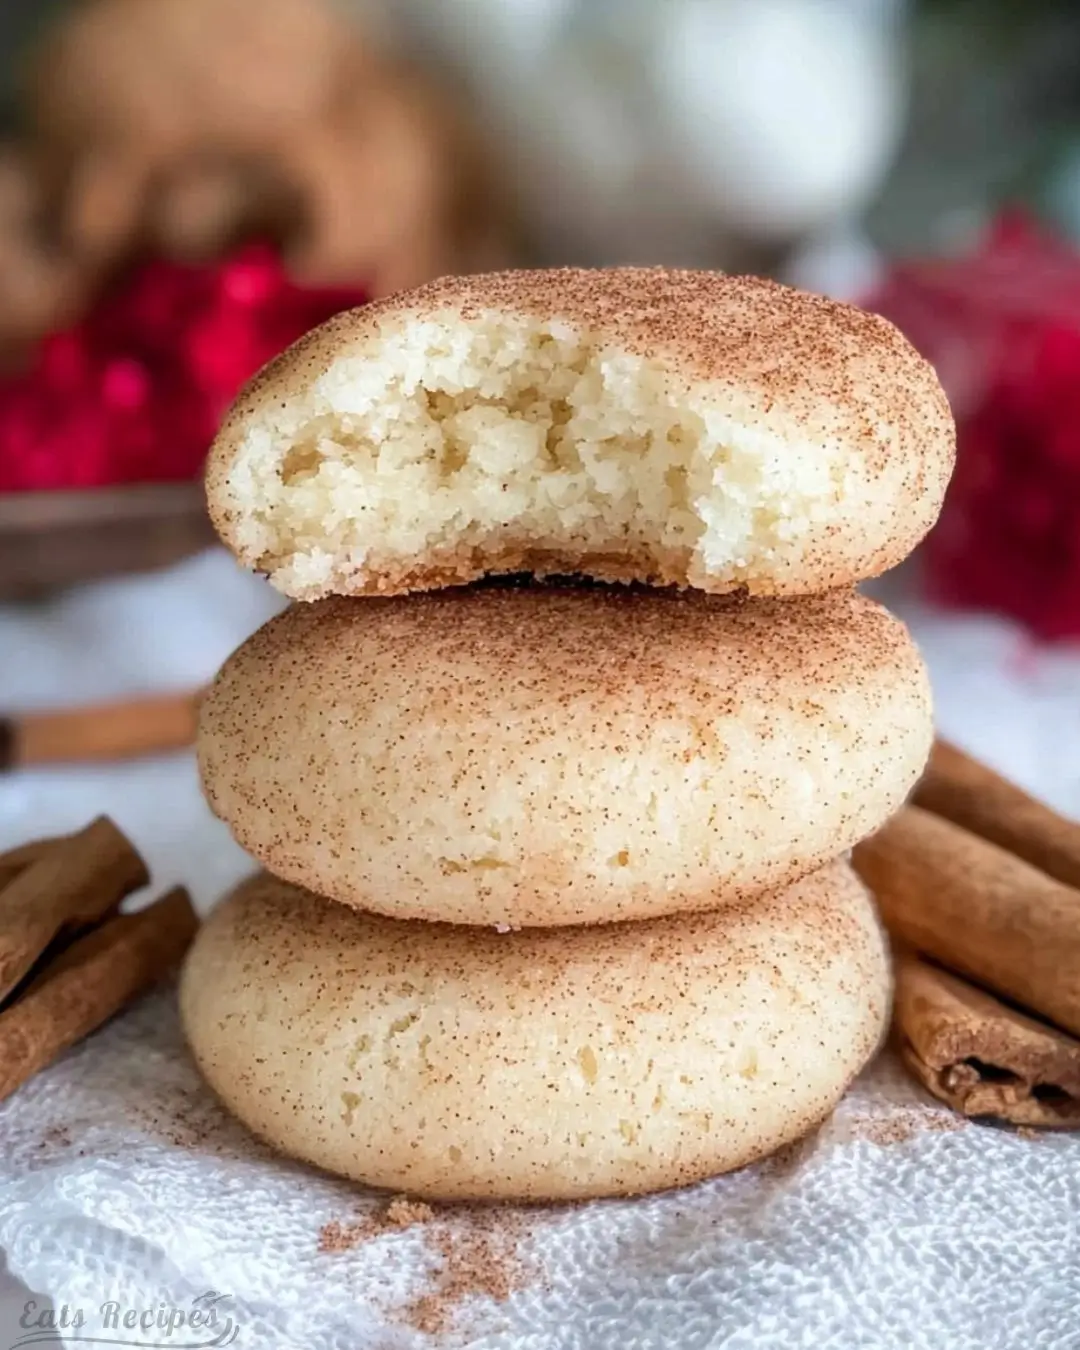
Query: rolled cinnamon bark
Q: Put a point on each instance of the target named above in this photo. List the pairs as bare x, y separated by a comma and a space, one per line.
973, 795
16, 860
106, 732
978, 910
979, 1056
75, 881
93, 979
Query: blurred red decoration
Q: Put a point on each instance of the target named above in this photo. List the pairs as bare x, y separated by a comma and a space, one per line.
1002, 328
134, 392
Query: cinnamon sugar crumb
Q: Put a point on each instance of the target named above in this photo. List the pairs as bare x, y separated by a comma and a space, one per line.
899, 1126
336, 1236
479, 1259
477, 1250
403, 1213
56, 1136
399, 1214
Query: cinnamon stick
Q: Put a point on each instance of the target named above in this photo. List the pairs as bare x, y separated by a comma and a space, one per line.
93, 979
980, 1056
74, 881
978, 910
108, 731
16, 860
973, 795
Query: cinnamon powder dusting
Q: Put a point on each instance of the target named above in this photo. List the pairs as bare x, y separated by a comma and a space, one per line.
400, 1213
56, 1136
477, 1249
479, 1258
899, 1126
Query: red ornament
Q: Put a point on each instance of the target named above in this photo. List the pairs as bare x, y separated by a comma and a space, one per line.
1003, 329
135, 391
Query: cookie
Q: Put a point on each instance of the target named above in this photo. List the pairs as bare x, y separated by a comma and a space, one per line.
665, 427
559, 755
459, 1063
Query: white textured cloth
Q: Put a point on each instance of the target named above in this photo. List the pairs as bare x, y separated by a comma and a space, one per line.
894, 1225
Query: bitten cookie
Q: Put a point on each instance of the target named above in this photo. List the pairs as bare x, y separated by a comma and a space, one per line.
660, 426
557, 755
458, 1063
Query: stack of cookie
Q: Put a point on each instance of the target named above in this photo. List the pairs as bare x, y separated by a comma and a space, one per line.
556, 902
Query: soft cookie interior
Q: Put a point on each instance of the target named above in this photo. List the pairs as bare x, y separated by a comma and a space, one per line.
491, 441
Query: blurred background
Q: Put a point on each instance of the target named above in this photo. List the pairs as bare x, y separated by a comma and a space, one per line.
187, 185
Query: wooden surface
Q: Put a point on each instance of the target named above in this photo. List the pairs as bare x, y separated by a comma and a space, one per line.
50, 540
